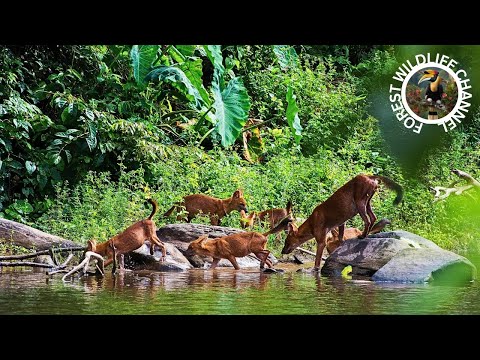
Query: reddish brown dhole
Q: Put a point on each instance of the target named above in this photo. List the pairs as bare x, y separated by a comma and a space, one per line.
351, 199
213, 207
130, 239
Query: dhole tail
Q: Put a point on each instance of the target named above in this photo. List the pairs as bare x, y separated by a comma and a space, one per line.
280, 226
170, 211
378, 227
389, 183
155, 207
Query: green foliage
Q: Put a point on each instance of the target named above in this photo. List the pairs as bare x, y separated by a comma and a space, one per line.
292, 115
69, 113
286, 55
142, 59
231, 109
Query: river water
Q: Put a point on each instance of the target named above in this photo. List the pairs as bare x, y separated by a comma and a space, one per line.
226, 291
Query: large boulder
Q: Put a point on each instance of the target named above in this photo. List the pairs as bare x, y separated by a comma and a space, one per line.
398, 256
141, 259
181, 235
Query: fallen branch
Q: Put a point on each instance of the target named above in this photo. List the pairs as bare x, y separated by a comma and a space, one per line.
26, 263
85, 263
61, 267
447, 191
307, 251
43, 252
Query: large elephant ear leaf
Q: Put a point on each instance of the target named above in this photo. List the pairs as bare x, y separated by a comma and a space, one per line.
292, 115
142, 57
231, 105
177, 78
286, 55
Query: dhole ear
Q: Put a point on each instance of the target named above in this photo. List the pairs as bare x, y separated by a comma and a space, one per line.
91, 245
202, 241
292, 228
289, 206
237, 194
252, 215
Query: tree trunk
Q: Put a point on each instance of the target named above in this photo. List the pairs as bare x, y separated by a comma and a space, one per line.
18, 234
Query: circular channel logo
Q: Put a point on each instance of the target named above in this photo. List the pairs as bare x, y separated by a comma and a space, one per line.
430, 93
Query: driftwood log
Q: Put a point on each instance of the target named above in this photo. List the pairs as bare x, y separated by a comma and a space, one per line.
442, 192
18, 234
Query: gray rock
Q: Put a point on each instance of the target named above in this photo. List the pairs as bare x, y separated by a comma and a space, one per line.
405, 235
364, 255
398, 256
422, 265
141, 259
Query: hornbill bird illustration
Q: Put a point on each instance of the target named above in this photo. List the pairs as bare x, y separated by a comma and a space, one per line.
434, 92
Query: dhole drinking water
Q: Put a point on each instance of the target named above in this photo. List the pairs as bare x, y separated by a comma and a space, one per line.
130, 239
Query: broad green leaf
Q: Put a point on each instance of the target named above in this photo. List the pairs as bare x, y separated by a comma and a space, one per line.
214, 53
186, 50
42, 181
15, 164
347, 270
30, 166
292, 115
231, 108
176, 77
92, 136
193, 71
1, 163
176, 55
89, 114
68, 155
57, 159
23, 207
142, 58
286, 55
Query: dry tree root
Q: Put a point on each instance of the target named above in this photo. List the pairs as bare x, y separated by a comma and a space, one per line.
85, 264
441, 192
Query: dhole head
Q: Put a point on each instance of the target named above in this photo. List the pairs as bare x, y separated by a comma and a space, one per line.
247, 220
291, 242
197, 247
238, 202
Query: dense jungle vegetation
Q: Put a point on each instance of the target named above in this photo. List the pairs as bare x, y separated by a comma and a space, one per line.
87, 133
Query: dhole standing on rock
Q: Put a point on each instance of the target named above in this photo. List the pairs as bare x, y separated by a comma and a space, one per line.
215, 208
351, 199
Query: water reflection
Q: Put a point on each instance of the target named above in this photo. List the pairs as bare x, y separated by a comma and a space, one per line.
226, 291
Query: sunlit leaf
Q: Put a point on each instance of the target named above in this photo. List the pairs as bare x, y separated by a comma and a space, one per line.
292, 115
142, 57
231, 108
286, 55
30, 166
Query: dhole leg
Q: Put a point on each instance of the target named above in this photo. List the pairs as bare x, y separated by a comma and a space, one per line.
108, 261
214, 263
155, 240
362, 211
233, 260
263, 257
341, 230
320, 247
371, 215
